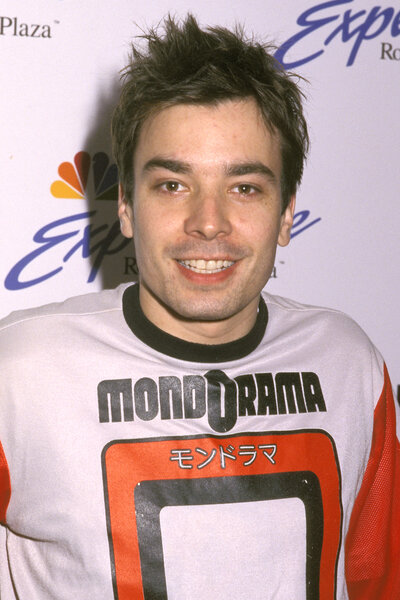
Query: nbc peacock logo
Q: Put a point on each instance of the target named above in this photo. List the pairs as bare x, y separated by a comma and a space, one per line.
76, 182
88, 234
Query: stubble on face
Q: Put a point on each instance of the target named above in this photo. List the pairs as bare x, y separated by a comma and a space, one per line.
198, 198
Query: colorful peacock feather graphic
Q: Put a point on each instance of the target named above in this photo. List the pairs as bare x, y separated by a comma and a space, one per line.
75, 177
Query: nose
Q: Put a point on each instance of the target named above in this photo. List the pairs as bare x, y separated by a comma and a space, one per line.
208, 216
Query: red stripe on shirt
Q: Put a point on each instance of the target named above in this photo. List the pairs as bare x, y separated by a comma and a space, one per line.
373, 543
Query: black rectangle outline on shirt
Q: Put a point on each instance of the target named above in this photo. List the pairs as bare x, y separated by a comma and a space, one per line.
220, 437
152, 496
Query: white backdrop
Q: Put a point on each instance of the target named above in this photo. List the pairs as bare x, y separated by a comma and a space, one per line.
59, 80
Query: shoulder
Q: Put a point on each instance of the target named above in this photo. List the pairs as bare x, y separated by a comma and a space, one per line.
41, 322
326, 326
291, 312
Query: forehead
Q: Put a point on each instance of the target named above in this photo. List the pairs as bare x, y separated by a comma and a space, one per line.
209, 136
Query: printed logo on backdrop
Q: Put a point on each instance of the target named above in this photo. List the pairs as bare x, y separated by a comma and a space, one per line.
89, 234
14, 27
349, 22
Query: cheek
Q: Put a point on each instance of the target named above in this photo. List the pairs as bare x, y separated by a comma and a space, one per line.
262, 232
142, 237
151, 237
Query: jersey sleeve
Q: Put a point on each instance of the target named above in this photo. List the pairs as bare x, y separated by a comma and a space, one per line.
5, 485
373, 542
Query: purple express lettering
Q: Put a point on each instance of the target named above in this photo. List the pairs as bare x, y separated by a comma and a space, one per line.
376, 21
47, 239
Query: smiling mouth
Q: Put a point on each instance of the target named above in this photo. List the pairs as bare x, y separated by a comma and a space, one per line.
206, 267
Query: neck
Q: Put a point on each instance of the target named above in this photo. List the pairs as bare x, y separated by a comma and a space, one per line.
198, 331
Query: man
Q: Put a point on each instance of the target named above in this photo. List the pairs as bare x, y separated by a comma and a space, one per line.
190, 437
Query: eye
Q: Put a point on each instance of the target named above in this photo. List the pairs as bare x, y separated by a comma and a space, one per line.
245, 189
171, 186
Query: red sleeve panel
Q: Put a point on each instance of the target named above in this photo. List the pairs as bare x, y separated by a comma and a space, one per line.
373, 539
5, 485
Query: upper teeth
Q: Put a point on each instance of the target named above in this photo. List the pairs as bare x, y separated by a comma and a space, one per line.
207, 265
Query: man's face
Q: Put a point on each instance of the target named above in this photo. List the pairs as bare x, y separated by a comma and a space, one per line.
206, 215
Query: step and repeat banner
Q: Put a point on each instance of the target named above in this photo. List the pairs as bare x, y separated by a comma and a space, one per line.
59, 81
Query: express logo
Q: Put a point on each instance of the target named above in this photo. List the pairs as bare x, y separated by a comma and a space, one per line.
96, 180
354, 27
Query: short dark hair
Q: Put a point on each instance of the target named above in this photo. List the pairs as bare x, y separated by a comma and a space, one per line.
184, 64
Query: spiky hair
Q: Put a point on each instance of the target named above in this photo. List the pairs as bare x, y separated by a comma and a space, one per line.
184, 64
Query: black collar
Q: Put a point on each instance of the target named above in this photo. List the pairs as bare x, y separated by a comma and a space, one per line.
163, 342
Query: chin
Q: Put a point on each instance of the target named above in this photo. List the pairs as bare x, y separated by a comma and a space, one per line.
205, 311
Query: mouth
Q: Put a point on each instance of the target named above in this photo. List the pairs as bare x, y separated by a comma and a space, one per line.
206, 267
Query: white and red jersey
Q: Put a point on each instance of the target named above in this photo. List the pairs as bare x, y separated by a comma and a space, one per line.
137, 465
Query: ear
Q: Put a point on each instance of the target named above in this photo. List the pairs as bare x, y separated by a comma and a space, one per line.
286, 223
125, 213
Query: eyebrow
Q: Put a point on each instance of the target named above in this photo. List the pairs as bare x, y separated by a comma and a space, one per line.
231, 170
176, 166
247, 168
